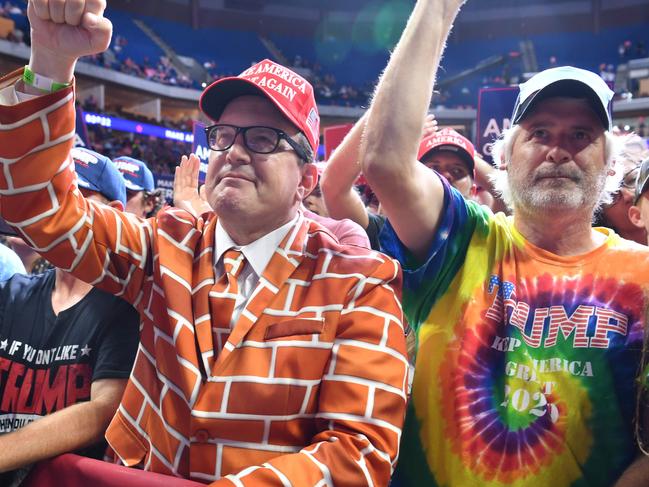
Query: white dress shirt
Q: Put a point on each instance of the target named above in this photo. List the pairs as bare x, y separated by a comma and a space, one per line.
257, 255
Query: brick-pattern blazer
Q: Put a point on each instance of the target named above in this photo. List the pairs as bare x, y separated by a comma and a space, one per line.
310, 388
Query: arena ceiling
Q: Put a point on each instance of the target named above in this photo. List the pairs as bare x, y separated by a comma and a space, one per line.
478, 19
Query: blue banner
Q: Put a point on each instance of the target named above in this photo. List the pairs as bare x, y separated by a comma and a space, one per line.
131, 126
165, 183
201, 149
495, 107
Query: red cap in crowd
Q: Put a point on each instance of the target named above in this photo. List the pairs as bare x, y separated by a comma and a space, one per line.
289, 92
449, 140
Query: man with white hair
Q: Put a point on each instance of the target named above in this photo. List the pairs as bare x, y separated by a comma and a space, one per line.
528, 327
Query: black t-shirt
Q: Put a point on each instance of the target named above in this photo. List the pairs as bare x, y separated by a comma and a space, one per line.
48, 362
374, 228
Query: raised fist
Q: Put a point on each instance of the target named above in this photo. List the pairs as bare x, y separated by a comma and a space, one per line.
68, 29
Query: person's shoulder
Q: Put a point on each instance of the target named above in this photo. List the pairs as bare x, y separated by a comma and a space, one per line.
20, 284
9, 261
108, 310
176, 222
108, 302
617, 243
346, 231
323, 245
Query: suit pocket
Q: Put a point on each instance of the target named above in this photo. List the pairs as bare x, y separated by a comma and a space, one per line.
298, 326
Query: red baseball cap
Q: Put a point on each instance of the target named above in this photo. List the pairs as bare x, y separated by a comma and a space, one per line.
449, 140
289, 92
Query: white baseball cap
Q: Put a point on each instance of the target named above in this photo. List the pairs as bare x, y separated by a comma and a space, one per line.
565, 81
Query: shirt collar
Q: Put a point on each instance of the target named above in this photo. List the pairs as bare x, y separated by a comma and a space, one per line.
257, 253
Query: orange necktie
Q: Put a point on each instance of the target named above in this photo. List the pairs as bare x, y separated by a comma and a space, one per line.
223, 297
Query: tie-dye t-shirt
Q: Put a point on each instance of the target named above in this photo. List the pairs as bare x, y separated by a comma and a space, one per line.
526, 363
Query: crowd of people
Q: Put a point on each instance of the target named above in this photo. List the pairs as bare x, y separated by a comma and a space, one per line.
328, 90
455, 323
162, 155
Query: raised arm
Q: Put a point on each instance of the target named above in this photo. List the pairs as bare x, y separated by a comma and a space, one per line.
61, 33
342, 170
96, 243
411, 195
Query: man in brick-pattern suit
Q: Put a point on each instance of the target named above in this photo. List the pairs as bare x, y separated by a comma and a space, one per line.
270, 354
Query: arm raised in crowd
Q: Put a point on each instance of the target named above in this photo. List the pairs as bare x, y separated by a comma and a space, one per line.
98, 244
342, 170
75, 427
62, 32
411, 194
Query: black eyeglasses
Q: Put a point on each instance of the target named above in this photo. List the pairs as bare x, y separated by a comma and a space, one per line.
258, 139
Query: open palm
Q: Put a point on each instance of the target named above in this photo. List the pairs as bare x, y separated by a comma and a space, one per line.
186, 191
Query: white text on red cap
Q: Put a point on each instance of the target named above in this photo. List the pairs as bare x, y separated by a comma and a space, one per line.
271, 83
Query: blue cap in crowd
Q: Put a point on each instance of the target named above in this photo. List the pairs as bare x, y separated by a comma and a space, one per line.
136, 174
97, 173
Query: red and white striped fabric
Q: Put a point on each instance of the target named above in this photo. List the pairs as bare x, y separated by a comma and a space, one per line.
310, 387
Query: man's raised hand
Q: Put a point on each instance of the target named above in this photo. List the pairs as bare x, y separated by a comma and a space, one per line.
63, 31
187, 195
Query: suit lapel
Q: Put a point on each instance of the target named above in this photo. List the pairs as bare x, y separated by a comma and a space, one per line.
203, 281
285, 260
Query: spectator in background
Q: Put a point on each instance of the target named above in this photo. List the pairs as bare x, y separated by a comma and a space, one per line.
444, 150
639, 211
142, 198
345, 230
343, 171
607, 73
162, 155
451, 155
539, 305
624, 49
218, 295
615, 215
314, 202
67, 347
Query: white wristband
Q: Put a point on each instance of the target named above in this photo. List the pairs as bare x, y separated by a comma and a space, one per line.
41, 82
